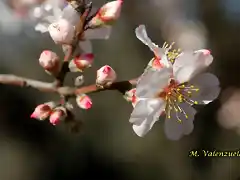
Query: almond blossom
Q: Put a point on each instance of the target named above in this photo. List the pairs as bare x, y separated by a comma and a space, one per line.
55, 23
173, 89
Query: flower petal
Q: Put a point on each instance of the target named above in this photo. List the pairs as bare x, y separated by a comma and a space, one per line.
99, 33
188, 64
41, 27
145, 114
209, 89
152, 82
141, 34
174, 129
70, 14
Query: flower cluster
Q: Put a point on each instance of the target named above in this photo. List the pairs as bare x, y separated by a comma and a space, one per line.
171, 84
64, 30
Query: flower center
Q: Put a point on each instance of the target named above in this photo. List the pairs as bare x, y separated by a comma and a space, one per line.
172, 54
176, 93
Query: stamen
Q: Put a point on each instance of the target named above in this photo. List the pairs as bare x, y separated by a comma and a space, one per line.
175, 94
171, 54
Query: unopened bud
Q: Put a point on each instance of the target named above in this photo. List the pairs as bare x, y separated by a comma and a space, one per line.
58, 114
131, 96
107, 14
105, 76
43, 111
80, 63
62, 32
84, 101
50, 62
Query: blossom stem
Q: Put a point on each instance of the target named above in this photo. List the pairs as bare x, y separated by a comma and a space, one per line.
121, 86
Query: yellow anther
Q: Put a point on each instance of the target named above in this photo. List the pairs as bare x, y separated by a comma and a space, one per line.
195, 102
179, 120
186, 116
189, 92
169, 117
191, 86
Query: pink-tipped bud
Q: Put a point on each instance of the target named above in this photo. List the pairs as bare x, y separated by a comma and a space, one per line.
131, 96
107, 14
43, 111
50, 62
62, 32
80, 63
105, 76
84, 101
59, 114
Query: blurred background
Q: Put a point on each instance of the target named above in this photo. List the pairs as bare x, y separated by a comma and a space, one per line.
107, 148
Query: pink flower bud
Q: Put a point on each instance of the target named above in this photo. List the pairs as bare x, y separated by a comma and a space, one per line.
42, 111
84, 101
50, 61
131, 96
107, 14
81, 62
62, 32
57, 115
105, 76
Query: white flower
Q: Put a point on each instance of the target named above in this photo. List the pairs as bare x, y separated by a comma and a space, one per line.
173, 89
72, 16
62, 32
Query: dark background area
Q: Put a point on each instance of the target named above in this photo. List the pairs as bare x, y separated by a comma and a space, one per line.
107, 147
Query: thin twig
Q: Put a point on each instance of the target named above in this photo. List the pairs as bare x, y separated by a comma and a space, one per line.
121, 86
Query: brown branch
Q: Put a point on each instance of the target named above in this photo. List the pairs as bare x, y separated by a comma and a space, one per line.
121, 86
71, 48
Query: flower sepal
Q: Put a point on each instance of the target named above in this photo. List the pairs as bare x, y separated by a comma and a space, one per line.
81, 62
130, 96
